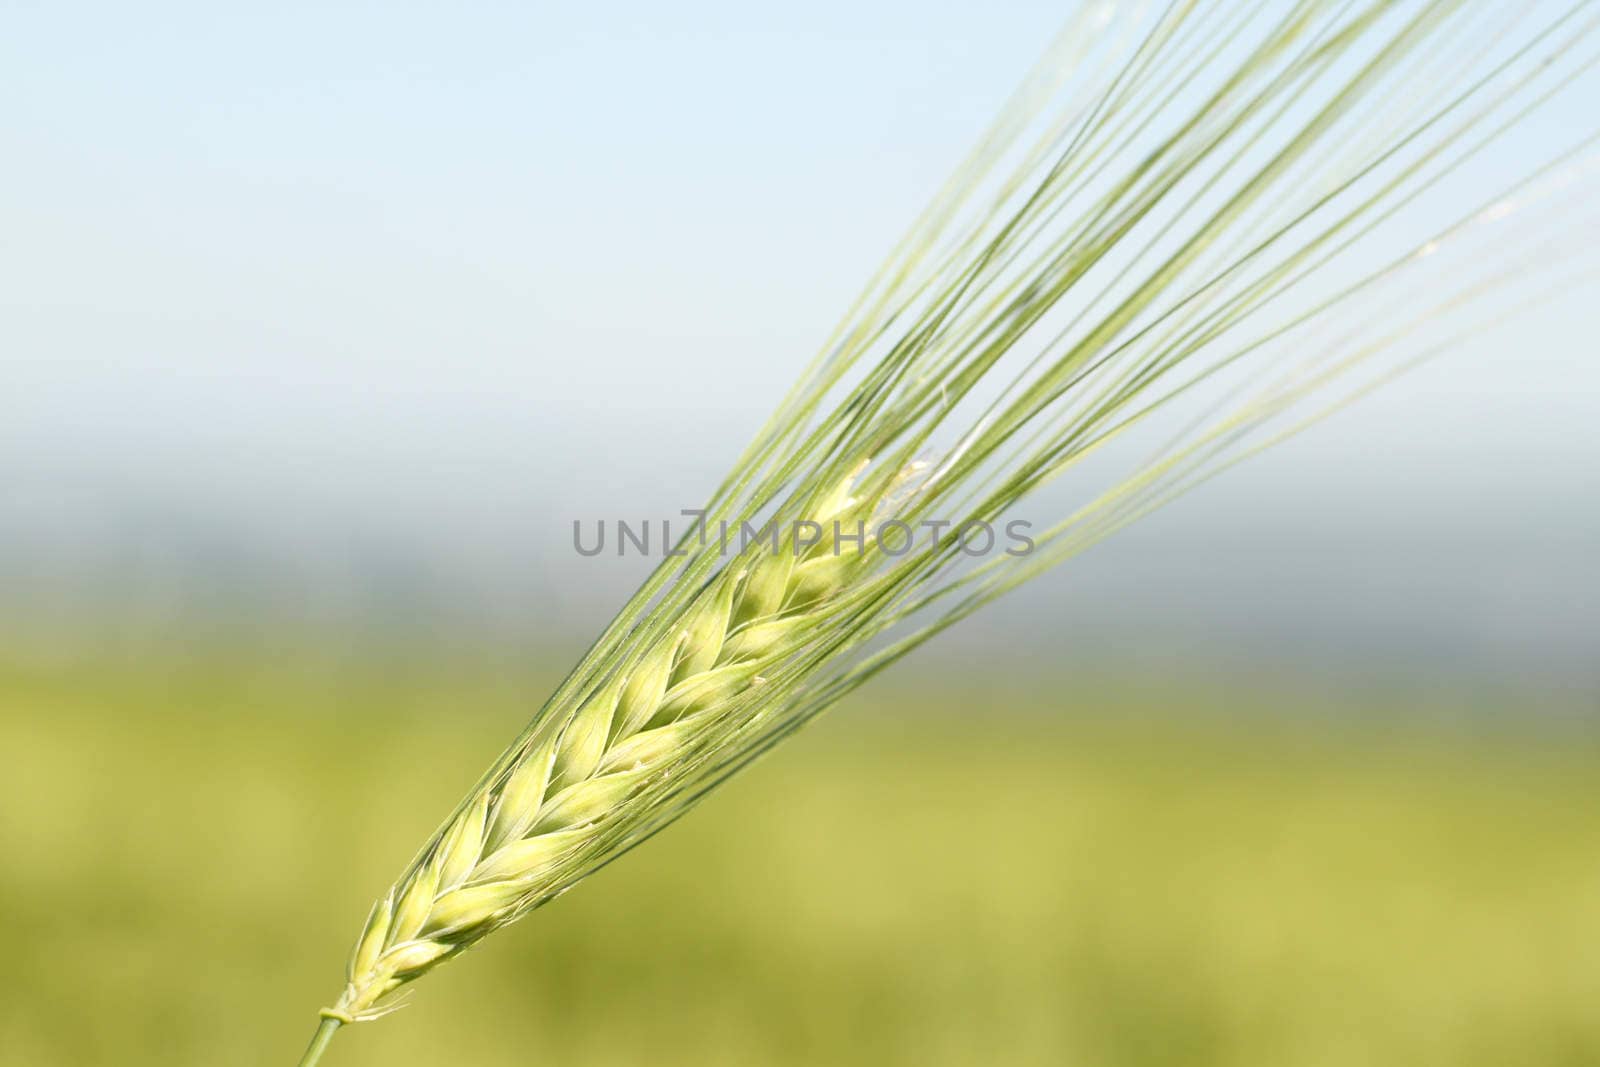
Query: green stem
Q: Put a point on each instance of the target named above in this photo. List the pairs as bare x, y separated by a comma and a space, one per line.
319, 1042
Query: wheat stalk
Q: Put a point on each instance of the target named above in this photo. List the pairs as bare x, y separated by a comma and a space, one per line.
1163, 231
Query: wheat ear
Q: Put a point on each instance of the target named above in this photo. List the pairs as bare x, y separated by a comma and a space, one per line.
505, 850
1132, 241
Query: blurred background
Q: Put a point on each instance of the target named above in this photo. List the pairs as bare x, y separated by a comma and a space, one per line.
323, 323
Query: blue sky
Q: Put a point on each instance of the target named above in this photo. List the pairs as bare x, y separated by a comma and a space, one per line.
436, 276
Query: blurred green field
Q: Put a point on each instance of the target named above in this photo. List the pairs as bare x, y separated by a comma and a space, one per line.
916, 880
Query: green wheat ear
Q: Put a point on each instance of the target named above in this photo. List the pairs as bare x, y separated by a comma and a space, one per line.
1180, 227
557, 798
